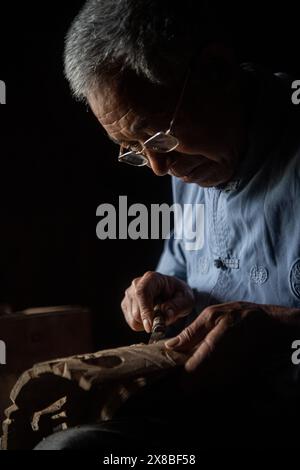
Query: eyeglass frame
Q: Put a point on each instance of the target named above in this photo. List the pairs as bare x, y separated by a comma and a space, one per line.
166, 133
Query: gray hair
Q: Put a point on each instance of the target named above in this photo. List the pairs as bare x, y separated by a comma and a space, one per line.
154, 39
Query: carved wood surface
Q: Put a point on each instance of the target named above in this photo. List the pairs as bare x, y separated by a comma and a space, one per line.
83, 389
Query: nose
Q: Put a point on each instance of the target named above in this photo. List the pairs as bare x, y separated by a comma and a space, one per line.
160, 162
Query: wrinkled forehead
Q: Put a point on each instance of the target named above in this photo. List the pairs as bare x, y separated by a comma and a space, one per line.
129, 108
109, 106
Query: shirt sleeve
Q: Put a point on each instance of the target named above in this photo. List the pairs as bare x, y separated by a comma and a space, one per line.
172, 261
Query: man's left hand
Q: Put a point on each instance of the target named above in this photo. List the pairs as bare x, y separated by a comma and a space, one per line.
230, 335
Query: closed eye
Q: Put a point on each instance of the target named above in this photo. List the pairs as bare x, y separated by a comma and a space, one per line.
131, 146
128, 145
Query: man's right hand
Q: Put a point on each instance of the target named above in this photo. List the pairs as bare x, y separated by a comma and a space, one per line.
175, 298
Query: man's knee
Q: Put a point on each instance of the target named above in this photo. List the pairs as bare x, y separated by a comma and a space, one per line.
110, 435
82, 438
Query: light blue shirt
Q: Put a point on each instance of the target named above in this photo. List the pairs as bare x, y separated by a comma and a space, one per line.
251, 248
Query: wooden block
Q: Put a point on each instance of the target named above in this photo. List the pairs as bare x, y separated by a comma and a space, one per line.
59, 394
41, 334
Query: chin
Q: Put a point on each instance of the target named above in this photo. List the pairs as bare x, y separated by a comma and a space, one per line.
209, 180
203, 184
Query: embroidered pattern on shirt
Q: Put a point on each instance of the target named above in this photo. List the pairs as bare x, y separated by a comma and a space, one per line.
203, 265
231, 186
259, 274
295, 278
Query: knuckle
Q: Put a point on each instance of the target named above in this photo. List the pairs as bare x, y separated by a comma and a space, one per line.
212, 315
149, 273
135, 282
233, 317
187, 334
139, 289
209, 313
145, 315
127, 292
136, 315
150, 276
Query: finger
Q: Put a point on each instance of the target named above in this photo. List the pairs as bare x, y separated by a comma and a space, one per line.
128, 307
207, 346
134, 325
124, 305
191, 336
136, 315
179, 306
149, 288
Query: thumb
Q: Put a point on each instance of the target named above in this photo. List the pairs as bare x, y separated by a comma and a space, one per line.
177, 307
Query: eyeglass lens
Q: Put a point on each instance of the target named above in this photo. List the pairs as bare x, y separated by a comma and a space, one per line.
134, 159
161, 142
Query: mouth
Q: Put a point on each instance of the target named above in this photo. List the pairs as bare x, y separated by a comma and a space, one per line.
191, 173
186, 176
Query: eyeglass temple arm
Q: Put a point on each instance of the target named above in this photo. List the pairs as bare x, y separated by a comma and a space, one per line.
187, 76
121, 150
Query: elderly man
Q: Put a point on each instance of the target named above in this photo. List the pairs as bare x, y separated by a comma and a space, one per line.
164, 83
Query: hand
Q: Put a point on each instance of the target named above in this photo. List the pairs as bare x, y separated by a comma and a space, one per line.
175, 297
226, 336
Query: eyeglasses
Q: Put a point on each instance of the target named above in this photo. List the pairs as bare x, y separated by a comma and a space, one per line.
161, 142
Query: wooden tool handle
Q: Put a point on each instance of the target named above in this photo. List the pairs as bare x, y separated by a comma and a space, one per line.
158, 326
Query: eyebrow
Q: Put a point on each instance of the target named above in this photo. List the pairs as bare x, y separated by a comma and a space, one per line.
135, 128
140, 125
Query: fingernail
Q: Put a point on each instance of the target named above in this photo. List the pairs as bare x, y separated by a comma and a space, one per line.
172, 343
147, 326
170, 312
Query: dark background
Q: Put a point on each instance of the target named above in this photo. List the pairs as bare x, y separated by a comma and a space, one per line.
57, 166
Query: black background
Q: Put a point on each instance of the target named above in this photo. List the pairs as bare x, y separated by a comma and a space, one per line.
57, 166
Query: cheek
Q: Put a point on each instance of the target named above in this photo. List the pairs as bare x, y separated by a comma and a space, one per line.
185, 162
205, 132
211, 146
207, 160
196, 141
